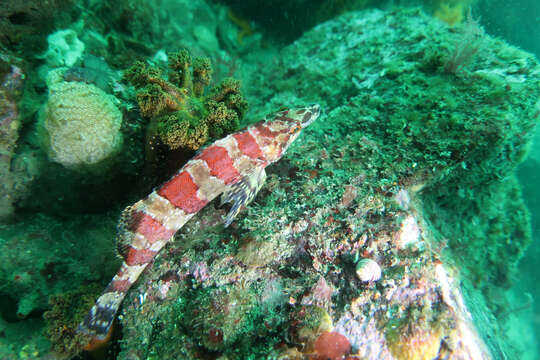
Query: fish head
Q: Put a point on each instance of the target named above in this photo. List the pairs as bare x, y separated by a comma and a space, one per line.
280, 129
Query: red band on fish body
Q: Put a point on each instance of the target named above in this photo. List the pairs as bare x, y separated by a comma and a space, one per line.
139, 256
220, 163
181, 191
150, 228
248, 145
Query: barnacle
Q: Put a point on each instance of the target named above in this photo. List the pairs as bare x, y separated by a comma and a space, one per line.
368, 270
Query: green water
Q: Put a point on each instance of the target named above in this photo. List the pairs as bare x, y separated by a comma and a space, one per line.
420, 175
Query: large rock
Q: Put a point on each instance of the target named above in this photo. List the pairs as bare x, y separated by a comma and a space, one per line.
13, 180
412, 167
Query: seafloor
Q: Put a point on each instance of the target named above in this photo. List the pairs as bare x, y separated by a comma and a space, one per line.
393, 228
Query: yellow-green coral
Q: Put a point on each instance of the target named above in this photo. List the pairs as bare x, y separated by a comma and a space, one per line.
226, 107
451, 15
450, 11
151, 100
180, 62
181, 115
220, 119
140, 73
180, 130
202, 73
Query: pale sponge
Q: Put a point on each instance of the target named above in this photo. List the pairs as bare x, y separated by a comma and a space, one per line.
80, 125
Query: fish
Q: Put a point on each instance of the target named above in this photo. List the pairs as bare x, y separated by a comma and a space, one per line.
233, 167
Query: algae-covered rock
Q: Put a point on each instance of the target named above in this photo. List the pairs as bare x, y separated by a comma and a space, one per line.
23, 23
404, 135
43, 256
11, 83
80, 125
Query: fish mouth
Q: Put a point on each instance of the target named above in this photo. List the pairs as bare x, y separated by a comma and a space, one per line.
315, 112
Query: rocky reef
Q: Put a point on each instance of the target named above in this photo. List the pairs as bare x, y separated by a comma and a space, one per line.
392, 228
12, 78
412, 167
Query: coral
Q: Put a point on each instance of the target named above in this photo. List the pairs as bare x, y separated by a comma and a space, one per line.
65, 48
139, 74
450, 11
243, 24
181, 130
202, 74
226, 107
451, 15
80, 126
181, 115
221, 120
151, 100
180, 64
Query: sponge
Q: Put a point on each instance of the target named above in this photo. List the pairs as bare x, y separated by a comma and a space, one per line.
80, 126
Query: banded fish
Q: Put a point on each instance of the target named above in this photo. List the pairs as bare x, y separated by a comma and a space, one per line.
233, 167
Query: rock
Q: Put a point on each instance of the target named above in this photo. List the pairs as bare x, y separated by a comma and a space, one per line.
11, 84
425, 150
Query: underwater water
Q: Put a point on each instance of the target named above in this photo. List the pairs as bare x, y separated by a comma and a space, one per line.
377, 164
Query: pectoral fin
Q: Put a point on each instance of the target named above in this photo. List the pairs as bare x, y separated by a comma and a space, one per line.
241, 193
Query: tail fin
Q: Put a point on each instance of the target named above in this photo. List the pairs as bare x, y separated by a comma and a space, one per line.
98, 321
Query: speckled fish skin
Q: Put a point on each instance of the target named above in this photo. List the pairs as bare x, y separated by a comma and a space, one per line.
232, 166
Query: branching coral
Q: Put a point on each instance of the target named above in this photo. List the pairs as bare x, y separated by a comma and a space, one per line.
181, 115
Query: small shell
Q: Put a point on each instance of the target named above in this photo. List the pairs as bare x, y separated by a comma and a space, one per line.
368, 270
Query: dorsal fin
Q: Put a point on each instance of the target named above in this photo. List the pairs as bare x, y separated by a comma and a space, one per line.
243, 192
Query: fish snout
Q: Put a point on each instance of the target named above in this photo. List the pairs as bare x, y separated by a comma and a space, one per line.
313, 112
